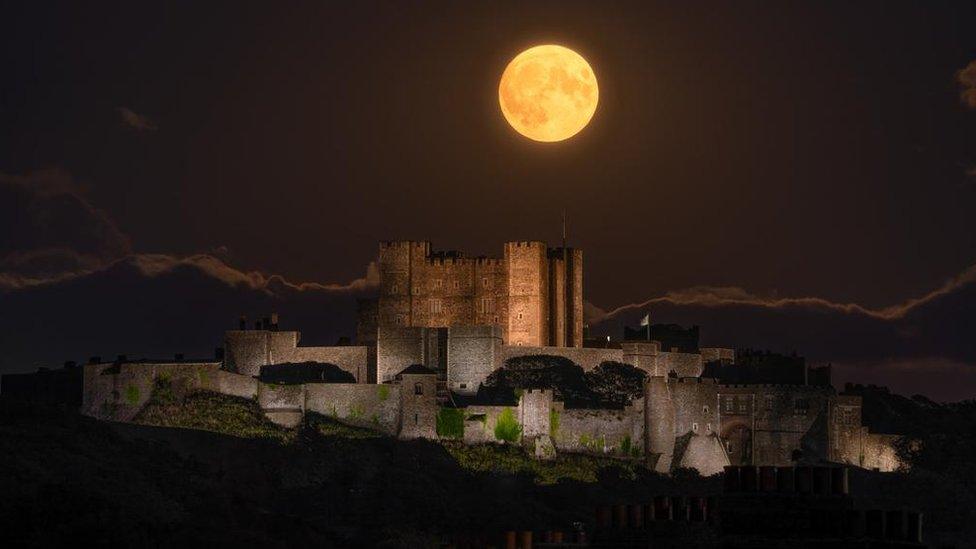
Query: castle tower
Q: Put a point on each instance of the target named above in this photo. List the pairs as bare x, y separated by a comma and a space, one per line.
659, 414
528, 293
396, 261
533, 293
565, 297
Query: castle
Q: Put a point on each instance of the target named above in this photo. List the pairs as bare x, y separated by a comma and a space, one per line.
442, 323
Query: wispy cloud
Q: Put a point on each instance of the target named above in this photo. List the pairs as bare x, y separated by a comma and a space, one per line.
728, 296
136, 121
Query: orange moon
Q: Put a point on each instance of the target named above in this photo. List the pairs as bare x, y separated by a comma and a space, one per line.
548, 93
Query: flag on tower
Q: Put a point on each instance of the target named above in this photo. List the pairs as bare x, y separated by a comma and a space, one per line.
646, 321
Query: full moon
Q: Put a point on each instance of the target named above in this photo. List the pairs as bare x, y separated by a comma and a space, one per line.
548, 93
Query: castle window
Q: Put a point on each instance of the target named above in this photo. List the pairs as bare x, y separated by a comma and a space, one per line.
437, 283
399, 320
484, 282
704, 409
457, 284
694, 427
728, 404
520, 316
769, 402
418, 389
709, 427
801, 406
394, 289
463, 386
487, 305
416, 419
743, 406
436, 307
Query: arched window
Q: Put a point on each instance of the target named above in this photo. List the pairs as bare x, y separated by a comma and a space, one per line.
418, 389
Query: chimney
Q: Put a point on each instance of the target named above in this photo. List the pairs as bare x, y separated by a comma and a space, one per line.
179, 357
243, 324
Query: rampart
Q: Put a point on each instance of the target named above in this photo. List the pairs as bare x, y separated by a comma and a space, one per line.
246, 351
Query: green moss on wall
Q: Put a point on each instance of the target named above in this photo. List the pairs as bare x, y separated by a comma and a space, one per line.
132, 394
553, 422
205, 377
356, 411
507, 428
384, 392
593, 443
450, 423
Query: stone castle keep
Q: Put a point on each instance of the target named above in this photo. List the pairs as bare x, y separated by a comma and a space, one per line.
440, 325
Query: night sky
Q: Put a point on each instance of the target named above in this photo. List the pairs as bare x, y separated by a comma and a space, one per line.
167, 167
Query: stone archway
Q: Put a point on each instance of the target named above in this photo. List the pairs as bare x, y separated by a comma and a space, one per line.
737, 437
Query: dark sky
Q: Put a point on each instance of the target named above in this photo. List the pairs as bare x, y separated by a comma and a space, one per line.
789, 149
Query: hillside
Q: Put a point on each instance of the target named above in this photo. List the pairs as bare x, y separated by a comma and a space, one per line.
72, 477
204, 468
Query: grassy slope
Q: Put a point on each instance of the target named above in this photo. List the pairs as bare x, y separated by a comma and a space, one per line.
70, 478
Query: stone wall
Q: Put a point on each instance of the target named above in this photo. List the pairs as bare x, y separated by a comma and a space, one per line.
879, 451
473, 353
282, 404
619, 432
717, 354
587, 358
352, 359
778, 418
423, 288
397, 348
683, 364
237, 385
372, 406
246, 351
418, 406
480, 422
845, 430
695, 406
118, 391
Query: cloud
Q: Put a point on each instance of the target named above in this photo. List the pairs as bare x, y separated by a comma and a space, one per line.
925, 341
44, 214
967, 80
135, 120
727, 296
155, 305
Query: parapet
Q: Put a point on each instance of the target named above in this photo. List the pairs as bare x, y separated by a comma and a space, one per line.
525, 244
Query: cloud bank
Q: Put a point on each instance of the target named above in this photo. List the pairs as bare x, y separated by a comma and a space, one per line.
135, 120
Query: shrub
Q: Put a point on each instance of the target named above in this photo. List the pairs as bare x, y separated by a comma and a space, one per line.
450, 423
507, 428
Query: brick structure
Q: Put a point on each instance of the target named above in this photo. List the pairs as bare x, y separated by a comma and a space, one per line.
533, 293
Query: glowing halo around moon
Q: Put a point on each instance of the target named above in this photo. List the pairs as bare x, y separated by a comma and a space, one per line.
548, 93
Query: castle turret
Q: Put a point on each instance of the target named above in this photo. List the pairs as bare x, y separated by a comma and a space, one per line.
659, 422
528, 288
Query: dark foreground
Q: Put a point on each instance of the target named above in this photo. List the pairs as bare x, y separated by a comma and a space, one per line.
68, 479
